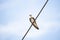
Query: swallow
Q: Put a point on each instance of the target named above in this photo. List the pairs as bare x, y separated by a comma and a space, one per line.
33, 21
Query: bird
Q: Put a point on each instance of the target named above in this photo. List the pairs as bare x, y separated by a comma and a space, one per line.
33, 21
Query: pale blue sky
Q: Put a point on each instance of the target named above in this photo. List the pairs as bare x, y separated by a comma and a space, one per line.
14, 19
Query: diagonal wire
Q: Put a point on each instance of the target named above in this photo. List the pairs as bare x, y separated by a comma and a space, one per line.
35, 19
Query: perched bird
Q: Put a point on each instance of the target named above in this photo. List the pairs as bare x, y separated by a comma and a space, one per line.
33, 21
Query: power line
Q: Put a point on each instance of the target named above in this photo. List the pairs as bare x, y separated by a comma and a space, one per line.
35, 19
41, 9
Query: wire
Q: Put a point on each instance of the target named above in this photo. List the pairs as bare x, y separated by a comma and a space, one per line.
35, 19
41, 9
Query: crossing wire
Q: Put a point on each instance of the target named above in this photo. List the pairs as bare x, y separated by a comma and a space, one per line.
35, 19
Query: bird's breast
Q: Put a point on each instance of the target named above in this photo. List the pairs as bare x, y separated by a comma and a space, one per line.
32, 20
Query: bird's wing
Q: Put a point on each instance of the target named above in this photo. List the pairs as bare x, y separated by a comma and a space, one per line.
32, 20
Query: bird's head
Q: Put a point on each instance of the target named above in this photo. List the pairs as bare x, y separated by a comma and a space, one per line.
30, 15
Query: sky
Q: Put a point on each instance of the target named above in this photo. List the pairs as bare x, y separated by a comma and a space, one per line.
14, 19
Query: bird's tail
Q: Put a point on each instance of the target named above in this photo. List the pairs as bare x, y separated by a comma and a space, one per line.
35, 25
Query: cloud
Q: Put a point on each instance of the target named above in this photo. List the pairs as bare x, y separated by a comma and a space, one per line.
18, 20
15, 28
